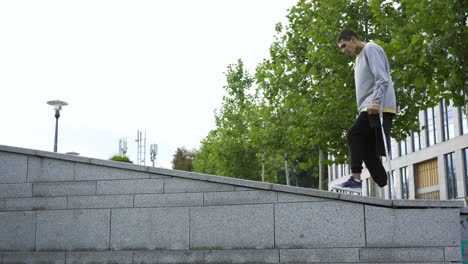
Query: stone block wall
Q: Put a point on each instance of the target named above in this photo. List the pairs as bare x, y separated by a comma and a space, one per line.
57, 208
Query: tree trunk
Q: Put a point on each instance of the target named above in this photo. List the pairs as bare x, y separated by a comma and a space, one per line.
320, 169
286, 169
263, 167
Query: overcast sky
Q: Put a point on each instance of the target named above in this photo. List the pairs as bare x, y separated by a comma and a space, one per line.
124, 66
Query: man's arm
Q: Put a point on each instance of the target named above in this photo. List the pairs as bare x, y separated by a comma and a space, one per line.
377, 62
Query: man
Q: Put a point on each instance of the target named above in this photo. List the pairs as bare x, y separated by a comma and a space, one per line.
374, 95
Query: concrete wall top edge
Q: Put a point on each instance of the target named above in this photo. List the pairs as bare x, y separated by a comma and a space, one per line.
238, 182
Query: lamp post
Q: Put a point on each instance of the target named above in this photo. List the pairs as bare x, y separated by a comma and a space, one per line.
57, 104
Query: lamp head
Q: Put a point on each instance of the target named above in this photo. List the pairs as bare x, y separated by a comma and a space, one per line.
57, 104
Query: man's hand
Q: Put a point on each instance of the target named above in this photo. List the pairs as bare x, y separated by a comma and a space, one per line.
373, 109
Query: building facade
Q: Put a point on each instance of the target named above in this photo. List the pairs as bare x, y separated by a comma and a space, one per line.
431, 164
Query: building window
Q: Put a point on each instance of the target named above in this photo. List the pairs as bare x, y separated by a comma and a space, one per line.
465, 163
451, 176
463, 120
391, 185
403, 148
416, 141
448, 120
431, 131
404, 183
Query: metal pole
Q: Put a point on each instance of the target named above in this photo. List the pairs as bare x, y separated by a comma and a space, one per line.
57, 115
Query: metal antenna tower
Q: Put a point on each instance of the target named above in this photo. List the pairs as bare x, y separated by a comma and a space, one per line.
153, 152
123, 147
141, 151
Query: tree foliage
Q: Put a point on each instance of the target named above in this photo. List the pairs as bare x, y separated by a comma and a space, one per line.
183, 159
121, 158
302, 97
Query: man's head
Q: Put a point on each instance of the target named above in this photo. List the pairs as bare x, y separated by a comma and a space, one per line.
349, 42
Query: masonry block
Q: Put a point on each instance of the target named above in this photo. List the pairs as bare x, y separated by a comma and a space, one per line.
244, 197
15, 190
120, 257
387, 227
120, 174
17, 230
34, 258
169, 257
232, 227
169, 199
100, 201
73, 230
150, 229
96, 172
375, 255
453, 254
85, 172
295, 198
242, 256
178, 185
13, 168
319, 255
130, 186
45, 169
319, 224
64, 188
36, 203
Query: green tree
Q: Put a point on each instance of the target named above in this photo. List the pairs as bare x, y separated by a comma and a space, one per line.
304, 101
183, 159
228, 150
121, 158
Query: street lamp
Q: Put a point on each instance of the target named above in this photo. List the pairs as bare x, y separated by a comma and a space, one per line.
57, 104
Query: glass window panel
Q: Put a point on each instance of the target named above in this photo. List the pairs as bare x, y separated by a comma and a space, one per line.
448, 120
431, 127
451, 176
404, 183
464, 120
416, 141
465, 163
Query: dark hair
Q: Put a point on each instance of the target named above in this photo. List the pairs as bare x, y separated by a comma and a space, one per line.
347, 34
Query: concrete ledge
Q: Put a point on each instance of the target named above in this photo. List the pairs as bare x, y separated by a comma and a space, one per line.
428, 204
234, 183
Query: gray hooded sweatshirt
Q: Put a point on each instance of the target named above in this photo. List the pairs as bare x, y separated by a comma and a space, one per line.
374, 85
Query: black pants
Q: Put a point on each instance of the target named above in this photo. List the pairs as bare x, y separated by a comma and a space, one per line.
365, 143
